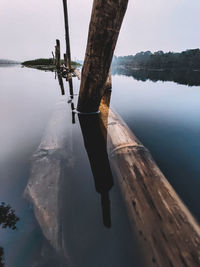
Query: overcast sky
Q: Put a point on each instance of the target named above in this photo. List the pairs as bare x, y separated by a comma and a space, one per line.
28, 28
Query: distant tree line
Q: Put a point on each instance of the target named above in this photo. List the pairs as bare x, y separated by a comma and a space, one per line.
189, 59
7, 61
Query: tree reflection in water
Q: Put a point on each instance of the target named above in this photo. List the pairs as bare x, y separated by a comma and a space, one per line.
181, 76
8, 219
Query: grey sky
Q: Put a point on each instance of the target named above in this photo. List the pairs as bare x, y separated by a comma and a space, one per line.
28, 28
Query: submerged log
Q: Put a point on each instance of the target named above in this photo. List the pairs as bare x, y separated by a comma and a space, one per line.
168, 233
105, 24
44, 185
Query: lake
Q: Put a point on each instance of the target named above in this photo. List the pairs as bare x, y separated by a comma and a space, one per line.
164, 115
73, 218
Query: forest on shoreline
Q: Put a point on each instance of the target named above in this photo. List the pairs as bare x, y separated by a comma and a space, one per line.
189, 59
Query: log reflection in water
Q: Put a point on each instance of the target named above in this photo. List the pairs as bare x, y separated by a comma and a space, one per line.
96, 148
71, 91
61, 83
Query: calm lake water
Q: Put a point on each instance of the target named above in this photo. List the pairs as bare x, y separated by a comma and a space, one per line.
91, 232
69, 220
165, 118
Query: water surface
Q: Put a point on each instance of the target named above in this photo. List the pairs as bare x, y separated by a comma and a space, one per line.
165, 117
88, 225
72, 215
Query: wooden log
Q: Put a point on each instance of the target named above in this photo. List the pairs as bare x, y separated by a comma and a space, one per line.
108, 84
45, 181
71, 90
57, 52
105, 24
77, 73
68, 50
60, 80
168, 233
65, 60
54, 61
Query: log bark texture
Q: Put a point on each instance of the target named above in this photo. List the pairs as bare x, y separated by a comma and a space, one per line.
105, 24
168, 233
68, 50
57, 54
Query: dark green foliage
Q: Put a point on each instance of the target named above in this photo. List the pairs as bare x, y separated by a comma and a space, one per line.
45, 61
189, 59
8, 219
39, 61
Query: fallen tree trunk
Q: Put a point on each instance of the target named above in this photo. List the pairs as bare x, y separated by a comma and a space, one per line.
105, 24
168, 233
45, 181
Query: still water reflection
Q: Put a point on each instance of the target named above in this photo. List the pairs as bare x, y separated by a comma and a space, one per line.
55, 172
52, 174
181, 76
165, 117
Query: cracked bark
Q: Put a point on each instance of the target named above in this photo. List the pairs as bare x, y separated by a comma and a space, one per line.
105, 24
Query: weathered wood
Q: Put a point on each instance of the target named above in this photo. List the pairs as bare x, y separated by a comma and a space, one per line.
60, 80
168, 233
68, 50
77, 73
108, 84
54, 61
65, 60
105, 24
57, 54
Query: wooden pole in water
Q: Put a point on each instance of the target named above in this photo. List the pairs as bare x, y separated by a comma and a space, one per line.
68, 50
60, 80
168, 233
65, 60
57, 52
54, 62
105, 24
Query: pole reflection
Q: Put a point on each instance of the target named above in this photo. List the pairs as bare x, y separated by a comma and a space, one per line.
96, 148
60, 80
95, 144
